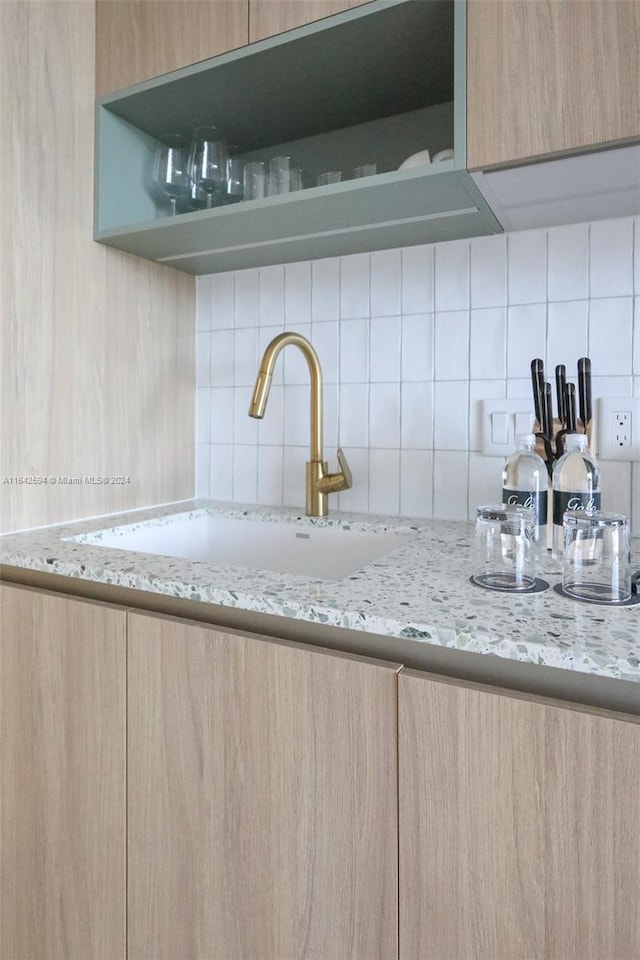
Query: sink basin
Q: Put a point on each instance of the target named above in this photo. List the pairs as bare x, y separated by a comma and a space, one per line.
327, 553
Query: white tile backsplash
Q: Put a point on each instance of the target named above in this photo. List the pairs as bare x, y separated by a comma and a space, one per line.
402, 383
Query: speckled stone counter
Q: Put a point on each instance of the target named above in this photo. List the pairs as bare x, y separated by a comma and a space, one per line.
419, 591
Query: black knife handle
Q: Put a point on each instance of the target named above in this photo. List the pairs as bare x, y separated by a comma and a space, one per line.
570, 405
584, 390
561, 381
547, 417
537, 381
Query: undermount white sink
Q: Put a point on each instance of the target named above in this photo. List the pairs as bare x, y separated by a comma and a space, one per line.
327, 553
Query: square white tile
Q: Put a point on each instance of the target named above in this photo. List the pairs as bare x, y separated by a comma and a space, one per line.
417, 279
271, 296
202, 470
223, 294
222, 415
450, 485
222, 358
384, 351
325, 290
568, 266
270, 476
357, 498
636, 334
527, 266
636, 257
489, 271
386, 275
416, 483
615, 484
245, 356
204, 297
325, 338
293, 480
416, 415
611, 258
451, 417
247, 298
384, 482
296, 416
417, 347
452, 345
526, 337
354, 286
567, 338
297, 294
221, 471
203, 358
485, 480
452, 275
488, 344
354, 351
384, 415
611, 335
245, 474
203, 414
354, 414
330, 419
245, 428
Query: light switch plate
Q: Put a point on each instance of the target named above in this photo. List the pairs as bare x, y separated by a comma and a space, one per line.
501, 421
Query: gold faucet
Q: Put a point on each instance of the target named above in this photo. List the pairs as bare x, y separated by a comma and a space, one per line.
319, 482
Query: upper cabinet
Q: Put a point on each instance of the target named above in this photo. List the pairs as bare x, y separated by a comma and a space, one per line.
268, 17
140, 39
546, 79
374, 84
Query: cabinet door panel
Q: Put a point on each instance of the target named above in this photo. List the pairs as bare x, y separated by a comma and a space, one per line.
547, 78
268, 17
262, 799
62, 776
140, 39
519, 828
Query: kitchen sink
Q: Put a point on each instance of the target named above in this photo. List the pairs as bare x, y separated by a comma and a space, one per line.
322, 552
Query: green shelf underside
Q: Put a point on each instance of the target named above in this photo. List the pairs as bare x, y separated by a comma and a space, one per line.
389, 210
375, 56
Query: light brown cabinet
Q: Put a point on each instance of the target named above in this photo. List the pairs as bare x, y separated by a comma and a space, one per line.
140, 39
268, 17
550, 78
62, 778
262, 802
519, 827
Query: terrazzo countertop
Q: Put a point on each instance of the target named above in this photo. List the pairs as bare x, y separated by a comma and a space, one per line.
419, 591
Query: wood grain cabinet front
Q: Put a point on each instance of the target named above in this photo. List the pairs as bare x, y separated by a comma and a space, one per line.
519, 827
550, 78
262, 806
140, 39
62, 778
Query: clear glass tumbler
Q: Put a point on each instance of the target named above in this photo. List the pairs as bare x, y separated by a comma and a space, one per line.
255, 180
596, 559
504, 547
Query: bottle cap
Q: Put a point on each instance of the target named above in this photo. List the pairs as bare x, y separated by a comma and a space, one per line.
576, 441
526, 440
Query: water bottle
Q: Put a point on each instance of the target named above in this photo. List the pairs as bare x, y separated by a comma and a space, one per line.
525, 482
576, 485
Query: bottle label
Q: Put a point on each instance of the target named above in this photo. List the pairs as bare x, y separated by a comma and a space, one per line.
537, 500
572, 500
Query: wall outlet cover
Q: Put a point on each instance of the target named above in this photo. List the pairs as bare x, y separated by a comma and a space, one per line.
619, 428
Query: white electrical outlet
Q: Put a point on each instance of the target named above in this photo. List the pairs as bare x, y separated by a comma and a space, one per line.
619, 428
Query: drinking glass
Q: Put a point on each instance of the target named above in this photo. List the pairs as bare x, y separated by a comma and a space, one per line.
170, 176
331, 176
366, 170
504, 555
596, 561
207, 163
282, 176
254, 180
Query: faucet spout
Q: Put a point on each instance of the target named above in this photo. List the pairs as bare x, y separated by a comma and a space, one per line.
319, 482
263, 384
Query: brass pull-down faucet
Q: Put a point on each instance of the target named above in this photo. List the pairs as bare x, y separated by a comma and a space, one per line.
319, 482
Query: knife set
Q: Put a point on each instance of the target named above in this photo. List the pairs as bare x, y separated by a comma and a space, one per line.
551, 430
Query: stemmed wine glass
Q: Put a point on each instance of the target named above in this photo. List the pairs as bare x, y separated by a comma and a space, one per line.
207, 162
170, 176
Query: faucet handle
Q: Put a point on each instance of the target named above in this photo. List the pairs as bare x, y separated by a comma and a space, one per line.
345, 470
